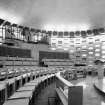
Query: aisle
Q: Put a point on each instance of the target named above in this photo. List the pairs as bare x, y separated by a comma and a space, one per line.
45, 93
90, 95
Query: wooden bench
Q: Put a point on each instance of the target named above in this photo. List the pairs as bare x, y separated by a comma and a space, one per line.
25, 92
23, 95
23, 101
26, 88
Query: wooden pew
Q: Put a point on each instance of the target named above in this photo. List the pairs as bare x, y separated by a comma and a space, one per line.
26, 88
22, 101
23, 95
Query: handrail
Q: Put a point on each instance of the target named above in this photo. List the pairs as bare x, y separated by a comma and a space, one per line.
66, 82
74, 94
62, 96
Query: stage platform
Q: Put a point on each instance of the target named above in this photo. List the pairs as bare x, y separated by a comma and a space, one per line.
100, 84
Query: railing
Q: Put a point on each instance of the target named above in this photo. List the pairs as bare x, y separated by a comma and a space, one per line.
68, 93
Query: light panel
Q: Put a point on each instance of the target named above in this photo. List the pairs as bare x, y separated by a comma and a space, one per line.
62, 27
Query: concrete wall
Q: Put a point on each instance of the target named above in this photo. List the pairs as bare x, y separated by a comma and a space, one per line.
38, 47
35, 48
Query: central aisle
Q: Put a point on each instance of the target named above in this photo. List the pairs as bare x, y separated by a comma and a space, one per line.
42, 98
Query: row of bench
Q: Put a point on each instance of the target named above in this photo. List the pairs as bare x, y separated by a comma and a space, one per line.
17, 61
9, 86
3, 58
26, 94
14, 71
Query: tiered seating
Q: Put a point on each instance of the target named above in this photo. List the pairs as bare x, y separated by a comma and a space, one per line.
26, 85
58, 62
10, 66
74, 73
16, 61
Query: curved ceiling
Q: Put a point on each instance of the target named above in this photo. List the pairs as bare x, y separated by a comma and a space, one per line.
74, 14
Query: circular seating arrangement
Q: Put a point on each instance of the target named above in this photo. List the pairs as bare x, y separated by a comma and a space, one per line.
24, 87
